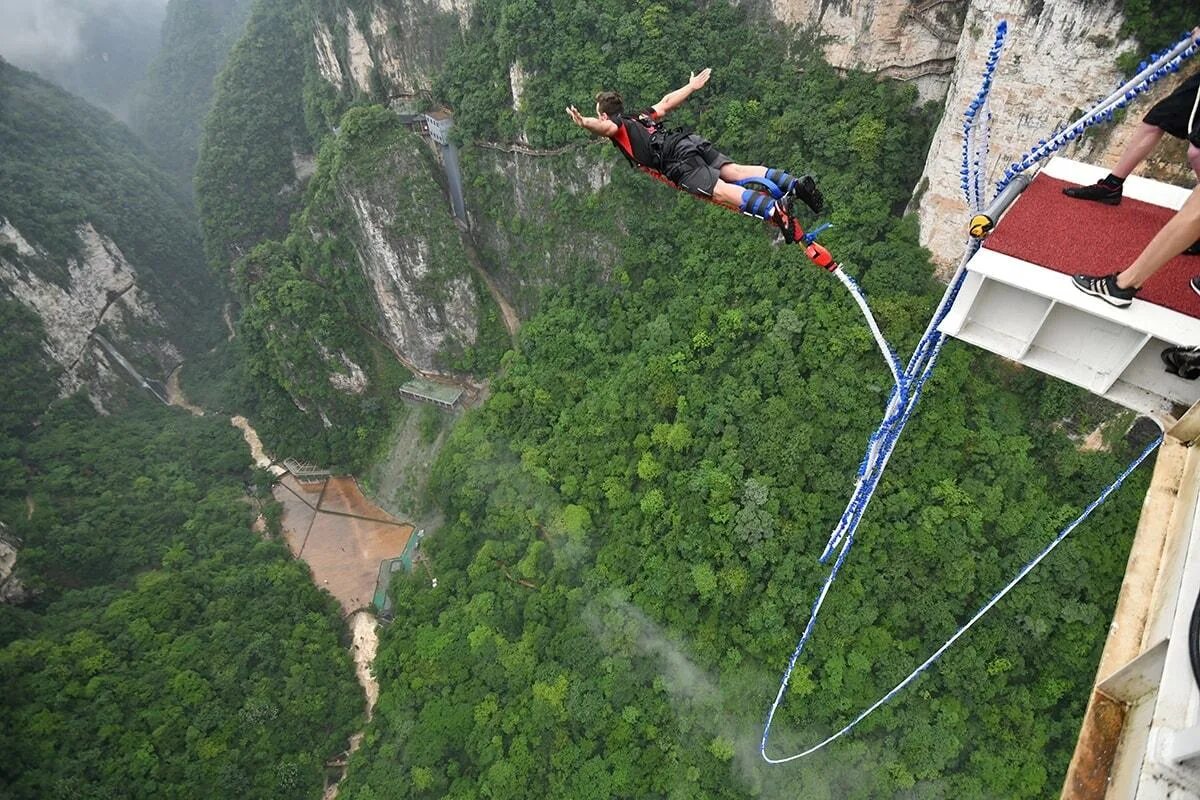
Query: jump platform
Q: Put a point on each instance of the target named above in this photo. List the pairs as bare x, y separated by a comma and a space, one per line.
1018, 301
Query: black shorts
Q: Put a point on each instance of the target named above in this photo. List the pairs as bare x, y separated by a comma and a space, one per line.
1172, 112
693, 164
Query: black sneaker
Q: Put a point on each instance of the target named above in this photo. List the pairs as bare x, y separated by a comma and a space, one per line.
1100, 192
1194, 250
1183, 361
1196, 285
806, 189
1105, 287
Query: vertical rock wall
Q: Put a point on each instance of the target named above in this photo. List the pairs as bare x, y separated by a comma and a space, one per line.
1055, 64
913, 41
100, 287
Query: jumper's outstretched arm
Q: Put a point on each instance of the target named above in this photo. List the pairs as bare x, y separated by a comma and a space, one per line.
598, 127
675, 99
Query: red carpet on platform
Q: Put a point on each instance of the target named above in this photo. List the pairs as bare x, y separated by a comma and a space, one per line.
1047, 228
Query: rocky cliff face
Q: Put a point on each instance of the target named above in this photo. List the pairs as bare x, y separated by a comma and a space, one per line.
400, 44
1059, 58
913, 41
428, 305
11, 588
516, 202
97, 291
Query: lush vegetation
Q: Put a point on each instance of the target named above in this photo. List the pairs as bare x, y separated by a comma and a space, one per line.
1156, 24
197, 36
169, 651
64, 164
246, 185
636, 514
308, 309
636, 511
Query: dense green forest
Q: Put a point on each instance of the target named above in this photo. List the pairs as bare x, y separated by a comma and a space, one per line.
169, 650
171, 105
1154, 24
307, 303
64, 163
633, 515
636, 511
246, 185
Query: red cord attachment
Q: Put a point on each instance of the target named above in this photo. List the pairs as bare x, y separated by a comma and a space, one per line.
820, 256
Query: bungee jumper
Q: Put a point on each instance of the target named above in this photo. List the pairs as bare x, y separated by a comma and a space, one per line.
687, 161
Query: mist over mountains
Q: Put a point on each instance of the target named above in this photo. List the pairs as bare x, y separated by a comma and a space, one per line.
98, 49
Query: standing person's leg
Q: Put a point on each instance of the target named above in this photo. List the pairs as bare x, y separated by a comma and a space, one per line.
1144, 140
1179, 232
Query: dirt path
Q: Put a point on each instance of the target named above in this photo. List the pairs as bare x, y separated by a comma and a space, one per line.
176, 397
256, 447
175, 394
512, 322
366, 644
347, 501
228, 322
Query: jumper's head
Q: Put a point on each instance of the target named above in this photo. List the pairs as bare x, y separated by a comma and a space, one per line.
609, 104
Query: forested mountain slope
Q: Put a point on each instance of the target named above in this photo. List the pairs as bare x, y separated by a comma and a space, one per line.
169, 109
636, 510
95, 239
162, 648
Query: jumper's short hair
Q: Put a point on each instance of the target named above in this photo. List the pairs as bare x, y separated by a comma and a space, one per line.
610, 103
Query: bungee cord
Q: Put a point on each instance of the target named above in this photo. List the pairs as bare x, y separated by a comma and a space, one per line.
986, 607
910, 382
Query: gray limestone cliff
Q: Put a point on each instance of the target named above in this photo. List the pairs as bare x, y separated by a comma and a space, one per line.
1060, 56
408, 249
912, 41
97, 291
1056, 62
11, 588
394, 47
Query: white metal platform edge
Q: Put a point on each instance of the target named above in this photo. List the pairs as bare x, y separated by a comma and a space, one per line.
1036, 317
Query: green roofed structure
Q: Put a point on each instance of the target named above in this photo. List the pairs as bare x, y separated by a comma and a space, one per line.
430, 392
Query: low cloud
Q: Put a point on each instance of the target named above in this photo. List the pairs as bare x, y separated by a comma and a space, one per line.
48, 33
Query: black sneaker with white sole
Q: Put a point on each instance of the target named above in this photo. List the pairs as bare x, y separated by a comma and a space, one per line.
1196, 284
1105, 287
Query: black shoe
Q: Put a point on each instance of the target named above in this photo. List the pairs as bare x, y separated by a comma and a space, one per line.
1194, 250
1100, 192
806, 189
1183, 361
1105, 287
1196, 285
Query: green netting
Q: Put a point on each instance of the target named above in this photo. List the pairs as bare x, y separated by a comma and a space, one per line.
389, 566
